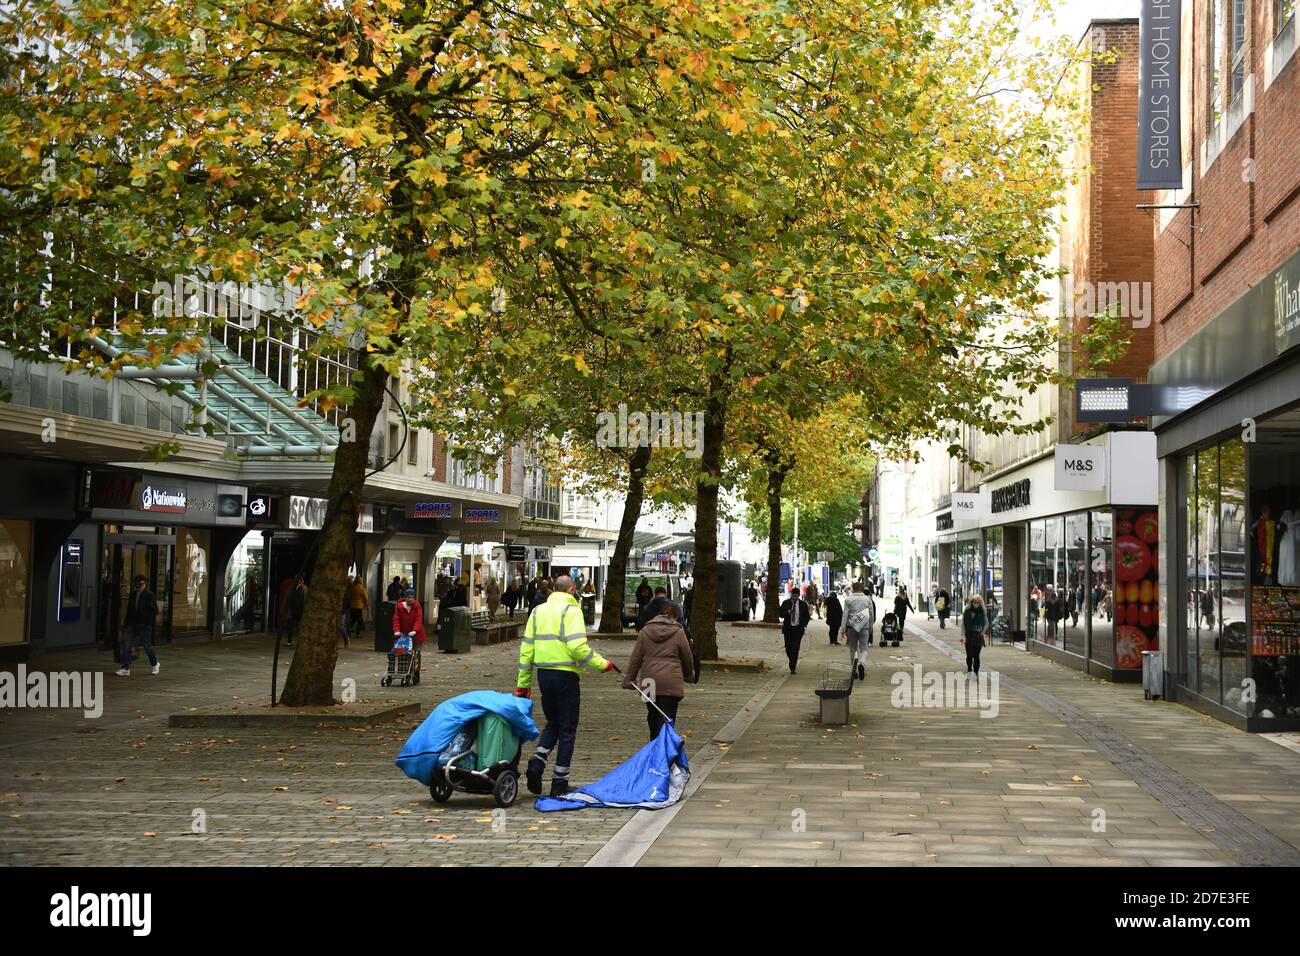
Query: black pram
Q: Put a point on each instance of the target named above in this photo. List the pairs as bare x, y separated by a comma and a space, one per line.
890, 630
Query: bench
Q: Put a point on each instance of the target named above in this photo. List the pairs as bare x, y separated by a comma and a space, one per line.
487, 631
834, 690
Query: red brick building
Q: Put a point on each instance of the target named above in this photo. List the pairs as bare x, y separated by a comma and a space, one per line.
1226, 331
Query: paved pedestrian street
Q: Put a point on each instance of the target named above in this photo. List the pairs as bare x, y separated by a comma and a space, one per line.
1085, 773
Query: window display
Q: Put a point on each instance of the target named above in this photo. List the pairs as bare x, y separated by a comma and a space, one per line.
1137, 575
1101, 609
15, 558
1271, 537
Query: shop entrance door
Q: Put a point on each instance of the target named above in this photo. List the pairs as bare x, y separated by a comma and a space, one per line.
123, 560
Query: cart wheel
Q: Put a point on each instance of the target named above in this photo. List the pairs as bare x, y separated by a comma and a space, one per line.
440, 790
506, 788
385, 682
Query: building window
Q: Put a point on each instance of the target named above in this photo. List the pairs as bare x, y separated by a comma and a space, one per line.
413, 449
541, 495
1283, 14
1215, 65
1237, 55
393, 442
475, 472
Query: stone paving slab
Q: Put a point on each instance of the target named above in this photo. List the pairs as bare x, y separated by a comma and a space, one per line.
936, 786
125, 789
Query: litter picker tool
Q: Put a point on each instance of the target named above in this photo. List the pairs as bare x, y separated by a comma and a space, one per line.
644, 695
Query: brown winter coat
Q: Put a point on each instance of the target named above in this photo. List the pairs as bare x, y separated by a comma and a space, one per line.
663, 655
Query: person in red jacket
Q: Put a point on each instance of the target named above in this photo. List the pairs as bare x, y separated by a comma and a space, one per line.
408, 617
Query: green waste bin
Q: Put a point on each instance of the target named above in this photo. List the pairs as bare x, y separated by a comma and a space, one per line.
496, 741
455, 636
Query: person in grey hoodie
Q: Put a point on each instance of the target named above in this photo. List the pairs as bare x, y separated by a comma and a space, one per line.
859, 619
662, 659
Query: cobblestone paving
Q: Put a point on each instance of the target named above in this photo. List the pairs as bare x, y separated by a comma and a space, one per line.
124, 789
945, 786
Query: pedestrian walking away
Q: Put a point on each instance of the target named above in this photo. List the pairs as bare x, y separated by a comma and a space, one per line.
975, 626
141, 610
902, 604
859, 619
943, 606
794, 621
663, 662
358, 604
555, 642
834, 615
297, 606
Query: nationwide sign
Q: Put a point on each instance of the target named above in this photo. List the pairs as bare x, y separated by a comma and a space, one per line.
1160, 164
170, 499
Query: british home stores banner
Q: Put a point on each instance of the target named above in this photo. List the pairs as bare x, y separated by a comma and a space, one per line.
1160, 163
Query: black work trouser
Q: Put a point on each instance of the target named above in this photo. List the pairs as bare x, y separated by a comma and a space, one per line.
793, 638
561, 703
974, 644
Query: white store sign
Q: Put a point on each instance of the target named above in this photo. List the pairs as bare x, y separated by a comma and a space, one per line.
1080, 467
969, 506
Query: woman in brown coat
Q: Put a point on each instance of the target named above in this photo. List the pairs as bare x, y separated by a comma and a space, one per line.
662, 659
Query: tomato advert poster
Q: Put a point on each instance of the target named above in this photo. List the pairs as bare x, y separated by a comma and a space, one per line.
1137, 594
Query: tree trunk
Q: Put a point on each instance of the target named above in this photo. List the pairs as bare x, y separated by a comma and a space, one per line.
616, 578
772, 597
311, 675
704, 603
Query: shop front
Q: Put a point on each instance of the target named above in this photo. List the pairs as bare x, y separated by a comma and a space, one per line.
1230, 533
1074, 570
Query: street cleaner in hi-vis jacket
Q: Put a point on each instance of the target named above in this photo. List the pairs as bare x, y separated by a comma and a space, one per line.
555, 642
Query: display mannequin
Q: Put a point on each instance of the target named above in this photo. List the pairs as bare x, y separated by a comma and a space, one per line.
1288, 568
1264, 535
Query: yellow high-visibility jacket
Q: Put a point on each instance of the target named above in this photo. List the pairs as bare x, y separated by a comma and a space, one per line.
556, 639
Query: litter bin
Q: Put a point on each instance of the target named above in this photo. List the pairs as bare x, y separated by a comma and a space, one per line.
1153, 675
454, 632
589, 610
834, 689
384, 626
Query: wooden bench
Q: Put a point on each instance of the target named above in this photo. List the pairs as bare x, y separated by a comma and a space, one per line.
487, 631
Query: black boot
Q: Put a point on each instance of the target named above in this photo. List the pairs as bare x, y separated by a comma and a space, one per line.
559, 786
533, 775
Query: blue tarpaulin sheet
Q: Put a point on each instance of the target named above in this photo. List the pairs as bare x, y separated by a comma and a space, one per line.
655, 777
420, 753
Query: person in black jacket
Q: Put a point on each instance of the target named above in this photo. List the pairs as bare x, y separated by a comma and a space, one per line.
141, 610
834, 615
902, 604
794, 621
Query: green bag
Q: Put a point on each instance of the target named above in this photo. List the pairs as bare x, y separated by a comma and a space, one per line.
496, 741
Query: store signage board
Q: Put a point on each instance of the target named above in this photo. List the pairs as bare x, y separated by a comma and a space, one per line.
433, 509
516, 552
1010, 497
308, 514
969, 506
481, 516
169, 499
259, 508
1286, 304
1080, 468
1160, 164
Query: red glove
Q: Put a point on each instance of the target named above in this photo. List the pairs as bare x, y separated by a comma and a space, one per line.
609, 666
524, 692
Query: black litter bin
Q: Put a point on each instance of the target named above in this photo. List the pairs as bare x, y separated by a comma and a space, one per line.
384, 626
589, 610
444, 628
